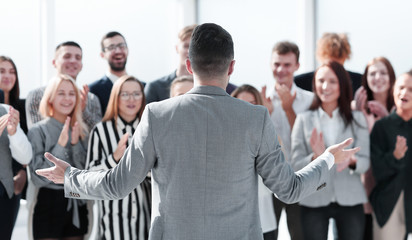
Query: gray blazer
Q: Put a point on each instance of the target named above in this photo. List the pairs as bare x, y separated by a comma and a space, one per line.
205, 150
343, 187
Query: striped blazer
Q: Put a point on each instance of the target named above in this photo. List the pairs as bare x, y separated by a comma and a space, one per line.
127, 218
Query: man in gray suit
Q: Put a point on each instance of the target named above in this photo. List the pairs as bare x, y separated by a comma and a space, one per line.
205, 150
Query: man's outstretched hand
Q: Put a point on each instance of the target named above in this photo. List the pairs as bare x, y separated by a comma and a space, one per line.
340, 153
56, 173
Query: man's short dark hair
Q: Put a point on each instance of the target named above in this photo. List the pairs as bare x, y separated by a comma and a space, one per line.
68, 43
286, 47
210, 50
110, 35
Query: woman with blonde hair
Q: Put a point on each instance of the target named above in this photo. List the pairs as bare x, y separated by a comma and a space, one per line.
62, 132
127, 218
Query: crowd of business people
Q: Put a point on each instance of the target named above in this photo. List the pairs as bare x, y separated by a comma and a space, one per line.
91, 126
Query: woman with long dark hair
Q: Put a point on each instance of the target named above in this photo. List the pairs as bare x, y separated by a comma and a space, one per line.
330, 120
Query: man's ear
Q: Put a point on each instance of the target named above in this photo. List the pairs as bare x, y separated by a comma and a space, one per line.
102, 54
297, 66
189, 66
54, 63
231, 67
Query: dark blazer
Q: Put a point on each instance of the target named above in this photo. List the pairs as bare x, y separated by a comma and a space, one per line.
1, 96
305, 80
392, 175
102, 88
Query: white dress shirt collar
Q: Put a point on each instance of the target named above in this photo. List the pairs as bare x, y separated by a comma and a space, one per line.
111, 76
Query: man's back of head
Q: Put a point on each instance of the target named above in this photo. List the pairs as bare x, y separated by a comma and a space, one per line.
211, 50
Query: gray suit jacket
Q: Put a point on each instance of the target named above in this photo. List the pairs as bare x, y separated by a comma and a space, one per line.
205, 150
343, 187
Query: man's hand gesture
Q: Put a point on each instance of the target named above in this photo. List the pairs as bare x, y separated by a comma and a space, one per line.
340, 153
56, 173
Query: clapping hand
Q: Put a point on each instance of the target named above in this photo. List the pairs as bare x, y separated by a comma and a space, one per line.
317, 143
266, 100
121, 147
400, 147
83, 96
377, 109
285, 96
10, 121
64, 134
360, 99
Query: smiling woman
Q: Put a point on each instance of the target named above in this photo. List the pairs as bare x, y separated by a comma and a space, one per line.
127, 218
329, 120
63, 133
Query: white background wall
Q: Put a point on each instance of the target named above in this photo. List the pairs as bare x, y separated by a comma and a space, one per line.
31, 29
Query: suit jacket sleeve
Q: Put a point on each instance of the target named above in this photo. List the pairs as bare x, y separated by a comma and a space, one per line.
117, 182
279, 176
302, 152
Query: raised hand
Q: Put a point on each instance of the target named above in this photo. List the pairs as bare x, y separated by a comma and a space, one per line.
377, 108
83, 96
121, 147
317, 143
75, 133
13, 121
285, 96
360, 99
64, 134
400, 147
56, 173
266, 100
340, 153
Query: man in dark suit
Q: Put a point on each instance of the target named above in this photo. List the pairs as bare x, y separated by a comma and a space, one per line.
115, 51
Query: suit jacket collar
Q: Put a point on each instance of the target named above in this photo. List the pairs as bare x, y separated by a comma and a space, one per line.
208, 90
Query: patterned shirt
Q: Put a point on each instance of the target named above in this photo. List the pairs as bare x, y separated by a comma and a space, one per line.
127, 218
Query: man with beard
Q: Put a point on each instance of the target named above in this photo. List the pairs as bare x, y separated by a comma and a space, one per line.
115, 51
67, 60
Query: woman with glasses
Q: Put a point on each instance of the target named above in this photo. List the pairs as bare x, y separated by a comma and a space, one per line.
127, 218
